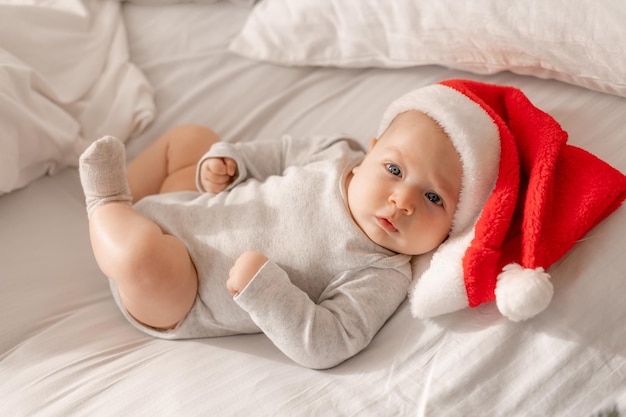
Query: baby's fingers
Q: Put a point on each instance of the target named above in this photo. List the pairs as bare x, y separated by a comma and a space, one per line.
216, 166
214, 175
231, 167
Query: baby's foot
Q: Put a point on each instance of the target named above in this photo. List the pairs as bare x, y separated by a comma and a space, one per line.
102, 170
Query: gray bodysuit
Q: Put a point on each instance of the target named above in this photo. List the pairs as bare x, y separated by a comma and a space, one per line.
326, 290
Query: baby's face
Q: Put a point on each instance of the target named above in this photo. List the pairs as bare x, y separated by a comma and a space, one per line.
405, 192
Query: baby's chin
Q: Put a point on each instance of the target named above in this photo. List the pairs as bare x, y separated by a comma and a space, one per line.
413, 248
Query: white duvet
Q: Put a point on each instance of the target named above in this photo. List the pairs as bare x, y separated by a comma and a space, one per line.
65, 79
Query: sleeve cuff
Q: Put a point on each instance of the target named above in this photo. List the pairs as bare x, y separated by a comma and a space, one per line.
262, 288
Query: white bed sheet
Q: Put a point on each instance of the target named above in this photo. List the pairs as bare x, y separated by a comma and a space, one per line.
56, 95
66, 350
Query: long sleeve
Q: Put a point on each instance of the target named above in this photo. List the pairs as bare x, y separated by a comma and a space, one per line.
263, 158
341, 323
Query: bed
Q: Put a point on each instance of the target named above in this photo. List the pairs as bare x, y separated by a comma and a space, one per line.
253, 70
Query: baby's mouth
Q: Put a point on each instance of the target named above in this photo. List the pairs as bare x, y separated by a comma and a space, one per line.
386, 224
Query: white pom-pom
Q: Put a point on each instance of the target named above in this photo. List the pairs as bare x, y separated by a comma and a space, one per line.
523, 293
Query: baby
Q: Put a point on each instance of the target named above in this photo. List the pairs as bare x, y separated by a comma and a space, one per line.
308, 241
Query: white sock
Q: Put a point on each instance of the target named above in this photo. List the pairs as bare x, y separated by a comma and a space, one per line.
102, 169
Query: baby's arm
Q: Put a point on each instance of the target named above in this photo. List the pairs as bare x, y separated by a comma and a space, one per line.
338, 325
260, 159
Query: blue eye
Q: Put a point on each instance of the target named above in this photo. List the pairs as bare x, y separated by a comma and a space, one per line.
394, 170
434, 198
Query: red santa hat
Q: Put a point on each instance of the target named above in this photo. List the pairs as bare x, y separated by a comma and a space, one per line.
526, 198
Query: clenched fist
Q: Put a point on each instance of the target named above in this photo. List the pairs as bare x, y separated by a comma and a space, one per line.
244, 269
217, 173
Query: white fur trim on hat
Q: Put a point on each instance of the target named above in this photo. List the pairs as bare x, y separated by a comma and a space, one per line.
440, 288
474, 135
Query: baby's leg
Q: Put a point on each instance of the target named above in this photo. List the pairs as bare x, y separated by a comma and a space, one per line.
169, 164
154, 273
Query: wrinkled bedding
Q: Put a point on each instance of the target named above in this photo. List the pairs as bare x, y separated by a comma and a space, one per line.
65, 349
57, 95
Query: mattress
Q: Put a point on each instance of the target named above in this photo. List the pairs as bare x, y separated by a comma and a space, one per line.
66, 349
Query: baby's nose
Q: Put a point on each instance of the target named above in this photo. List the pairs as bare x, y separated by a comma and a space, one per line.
403, 200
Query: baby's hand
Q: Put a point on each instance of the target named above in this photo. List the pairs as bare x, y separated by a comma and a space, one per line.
217, 173
245, 268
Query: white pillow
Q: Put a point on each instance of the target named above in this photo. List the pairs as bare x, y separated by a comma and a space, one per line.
54, 101
582, 42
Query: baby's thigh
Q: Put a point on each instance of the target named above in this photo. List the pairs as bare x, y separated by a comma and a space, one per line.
159, 283
169, 163
187, 144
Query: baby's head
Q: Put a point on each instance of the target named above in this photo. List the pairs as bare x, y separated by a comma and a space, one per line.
428, 174
524, 196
